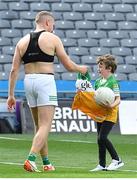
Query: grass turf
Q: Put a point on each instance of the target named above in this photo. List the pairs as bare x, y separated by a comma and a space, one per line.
72, 154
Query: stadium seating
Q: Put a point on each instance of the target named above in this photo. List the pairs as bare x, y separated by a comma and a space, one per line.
87, 42
1, 67
87, 28
94, 16
69, 76
3, 75
118, 34
59, 68
5, 41
75, 34
112, 1
120, 59
88, 60
126, 68
8, 14
86, 25
121, 51
5, 59
27, 15
102, 7
64, 25
73, 16
129, 42
3, 6
131, 60
61, 7
11, 33
98, 51
79, 51
81, 7
76, 59
8, 50
69, 42
121, 76
114, 17
127, 25
132, 76
106, 25
40, 6
4, 24
18, 6
21, 24
109, 42
129, 1
131, 17
98, 34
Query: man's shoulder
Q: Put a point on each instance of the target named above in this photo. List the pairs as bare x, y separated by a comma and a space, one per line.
23, 39
50, 34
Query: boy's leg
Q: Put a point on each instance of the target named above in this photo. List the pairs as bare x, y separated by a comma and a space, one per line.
103, 143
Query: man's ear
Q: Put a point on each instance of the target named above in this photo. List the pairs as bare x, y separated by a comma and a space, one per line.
47, 22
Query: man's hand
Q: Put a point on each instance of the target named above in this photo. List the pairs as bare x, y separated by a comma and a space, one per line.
84, 69
11, 103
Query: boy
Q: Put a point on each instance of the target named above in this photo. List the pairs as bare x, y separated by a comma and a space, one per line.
106, 68
105, 116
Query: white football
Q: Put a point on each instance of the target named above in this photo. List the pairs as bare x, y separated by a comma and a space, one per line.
104, 95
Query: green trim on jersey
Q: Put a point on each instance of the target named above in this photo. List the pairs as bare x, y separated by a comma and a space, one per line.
111, 82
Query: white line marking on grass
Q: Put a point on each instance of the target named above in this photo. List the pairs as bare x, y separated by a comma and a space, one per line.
11, 163
76, 141
20, 164
128, 170
62, 140
71, 167
14, 139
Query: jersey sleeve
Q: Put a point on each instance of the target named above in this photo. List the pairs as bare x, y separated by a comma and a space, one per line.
116, 89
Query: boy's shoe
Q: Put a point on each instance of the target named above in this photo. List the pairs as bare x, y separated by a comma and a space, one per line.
48, 167
30, 166
98, 168
115, 164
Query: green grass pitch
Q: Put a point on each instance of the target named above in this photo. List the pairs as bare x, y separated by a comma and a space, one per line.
72, 154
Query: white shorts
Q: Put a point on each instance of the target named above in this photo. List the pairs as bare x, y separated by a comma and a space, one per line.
40, 90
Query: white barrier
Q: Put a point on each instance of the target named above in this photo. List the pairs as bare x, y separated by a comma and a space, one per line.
128, 117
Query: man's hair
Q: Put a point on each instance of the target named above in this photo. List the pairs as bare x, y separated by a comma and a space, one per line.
109, 61
41, 15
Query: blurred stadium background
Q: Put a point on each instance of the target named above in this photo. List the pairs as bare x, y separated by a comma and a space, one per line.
88, 28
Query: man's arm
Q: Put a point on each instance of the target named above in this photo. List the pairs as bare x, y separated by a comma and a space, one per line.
13, 77
65, 59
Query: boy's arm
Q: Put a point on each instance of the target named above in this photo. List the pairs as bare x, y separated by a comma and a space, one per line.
115, 103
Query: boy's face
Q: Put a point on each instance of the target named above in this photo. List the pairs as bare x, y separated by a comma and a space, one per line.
102, 70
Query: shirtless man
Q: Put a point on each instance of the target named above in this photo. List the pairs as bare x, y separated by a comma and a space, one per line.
37, 50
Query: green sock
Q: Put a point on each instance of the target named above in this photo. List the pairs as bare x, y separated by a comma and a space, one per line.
32, 157
45, 160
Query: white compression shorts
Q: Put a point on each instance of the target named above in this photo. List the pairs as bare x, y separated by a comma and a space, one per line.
40, 90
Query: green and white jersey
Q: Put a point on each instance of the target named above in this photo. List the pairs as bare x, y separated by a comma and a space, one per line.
111, 82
